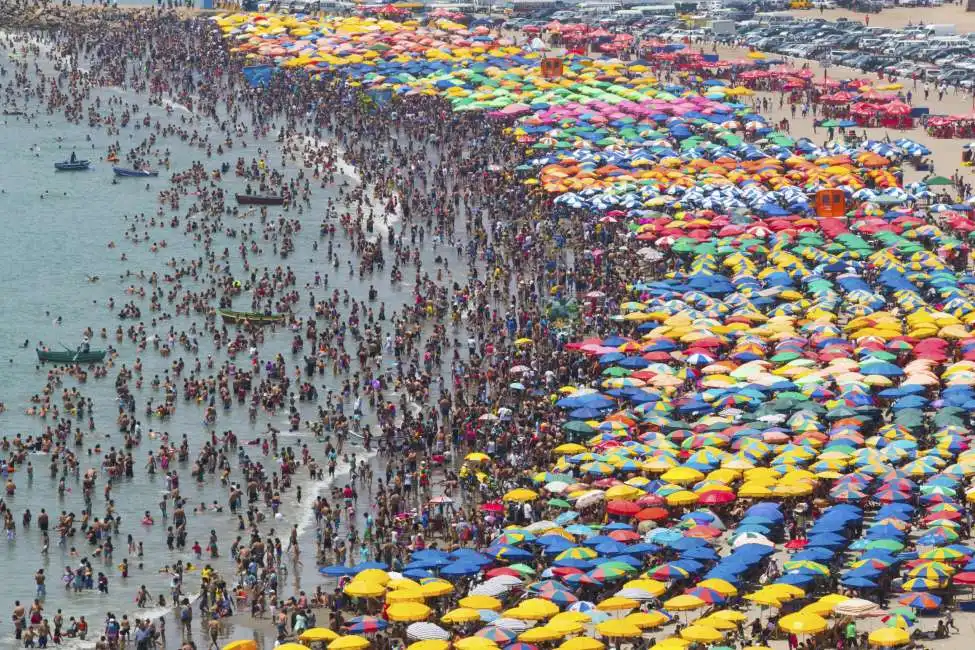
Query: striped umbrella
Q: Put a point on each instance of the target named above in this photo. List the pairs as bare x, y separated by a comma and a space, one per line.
499, 635
424, 631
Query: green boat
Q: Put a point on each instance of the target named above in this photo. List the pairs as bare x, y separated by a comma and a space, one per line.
254, 318
70, 356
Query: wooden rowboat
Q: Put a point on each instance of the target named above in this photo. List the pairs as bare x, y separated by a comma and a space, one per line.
254, 318
259, 199
70, 356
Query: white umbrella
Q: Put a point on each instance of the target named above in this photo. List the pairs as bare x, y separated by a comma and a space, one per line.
635, 594
495, 586
513, 624
752, 538
590, 498
425, 631
856, 607
556, 487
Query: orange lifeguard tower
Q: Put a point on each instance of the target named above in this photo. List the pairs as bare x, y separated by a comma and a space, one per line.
830, 203
551, 67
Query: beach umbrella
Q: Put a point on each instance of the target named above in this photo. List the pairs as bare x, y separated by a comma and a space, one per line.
461, 615
365, 625
349, 642
803, 623
618, 628
408, 612
582, 643
889, 636
920, 601
429, 644
684, 602
475, 643
701, 634
499, 635
426, 631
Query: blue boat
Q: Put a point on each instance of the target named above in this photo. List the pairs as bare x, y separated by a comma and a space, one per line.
72, 165
137, 173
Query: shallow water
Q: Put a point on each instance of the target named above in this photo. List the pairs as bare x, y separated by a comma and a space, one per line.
51, 245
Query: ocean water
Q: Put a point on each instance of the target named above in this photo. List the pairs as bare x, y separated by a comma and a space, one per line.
56, 232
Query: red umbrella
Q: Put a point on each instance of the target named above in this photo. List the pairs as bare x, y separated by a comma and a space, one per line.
965, 578
493, 506
702, 532
716, 497
625, 535
652, 514
502, 571
648, 500
622, 508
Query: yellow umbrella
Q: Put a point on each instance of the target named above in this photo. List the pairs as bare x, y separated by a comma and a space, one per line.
241, 644
481, 602
477, 457
539, 634
376, 576
474, 643
672, 642
681, 498
716, 623
803, 623
349, 642
405, 596
545, 608
618, 629
520, 495
582, 643
565, 625
316, 634
363, 589
684, 602
728, 614
784, 591
403, 583
616, 604
723, 587
293, 646
438, 587
461, 615
764, 598
408, 612
701, 634
646, 620
654, 587
429, 644
889, 636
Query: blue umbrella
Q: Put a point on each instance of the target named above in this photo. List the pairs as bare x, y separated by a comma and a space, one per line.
858, 582
460, 569
336, 570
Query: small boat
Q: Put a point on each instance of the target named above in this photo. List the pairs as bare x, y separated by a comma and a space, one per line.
254, 318
13, 112
137, 173
259, 199
70, 356
72, 165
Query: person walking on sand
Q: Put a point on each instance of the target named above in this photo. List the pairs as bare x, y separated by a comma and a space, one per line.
213, 629
186, 618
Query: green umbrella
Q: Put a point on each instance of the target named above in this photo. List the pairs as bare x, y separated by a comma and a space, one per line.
559, 503
891, 545
578, 426
935, 181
